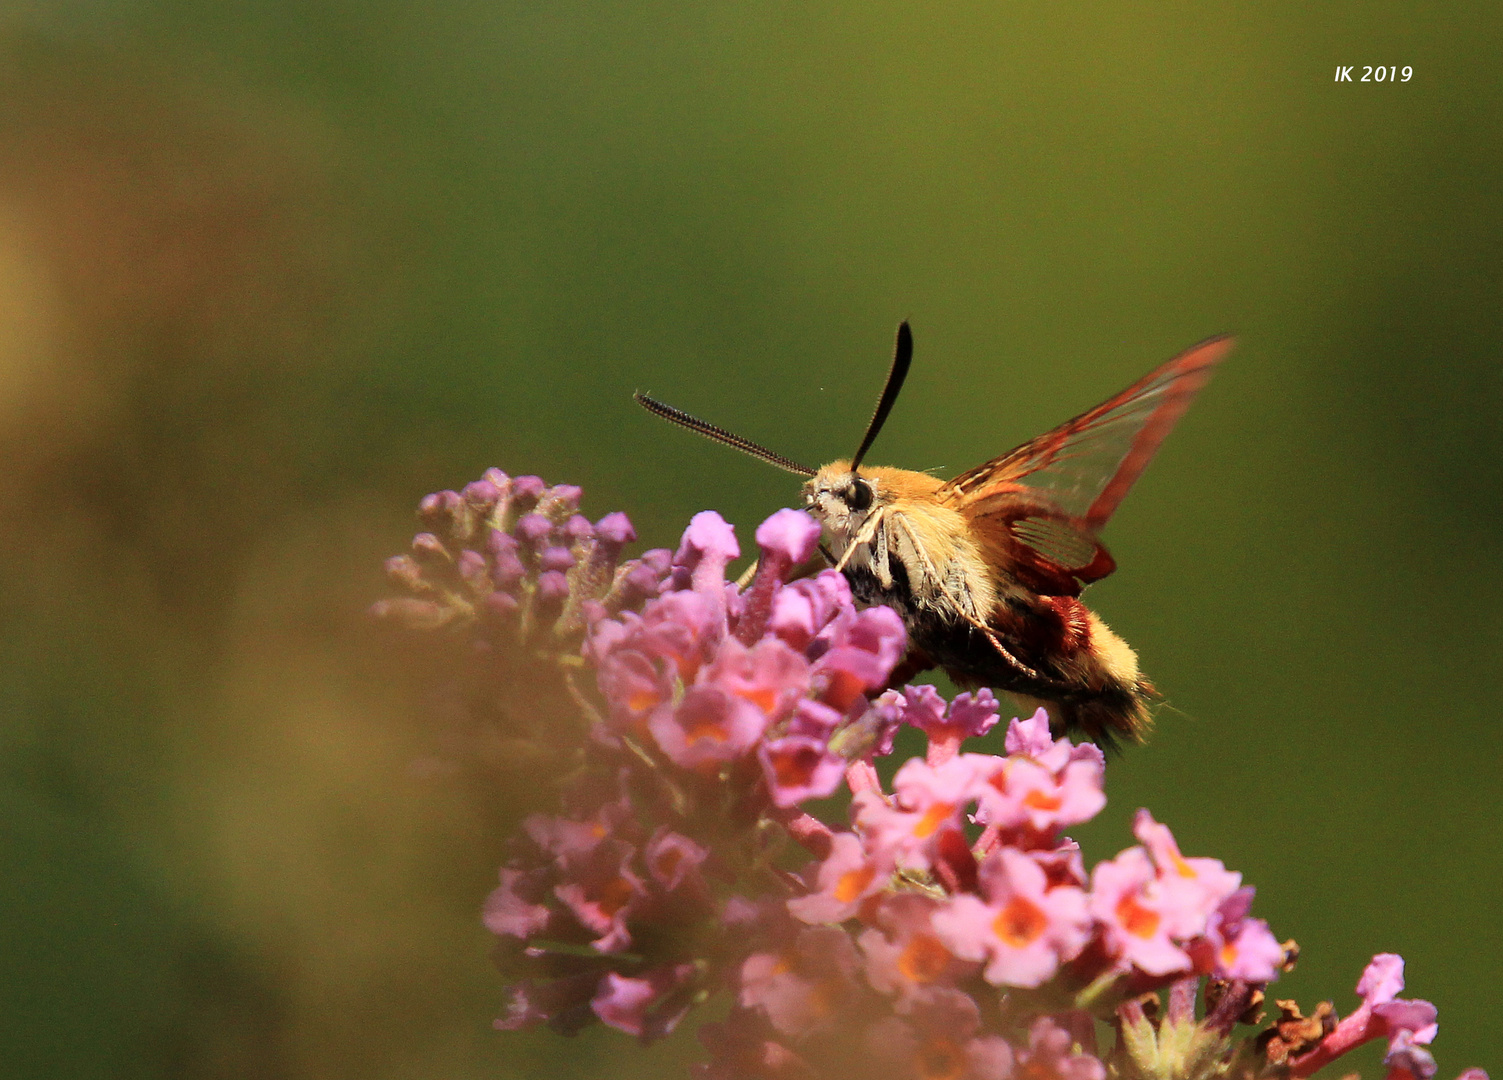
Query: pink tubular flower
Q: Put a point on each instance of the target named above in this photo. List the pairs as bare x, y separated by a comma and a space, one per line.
905, 957
928, 803
1406, 1060
863, 650
709, 543
804, 608
799, 767
769, 674
848, 875
968, 716
634, 686
707, 728
573, 841
674, 860
1050, 1055
512, 909
815, 719
1192, 888
1239, 947
1030, 738
1022, 929
939, 1039
644, 1007
1134, 915
623, 1002
973, 715
681, 628
1062, 864
805, 987
785, 539
602, 894
919, 706
788, 537
1382, 1014
1022, 794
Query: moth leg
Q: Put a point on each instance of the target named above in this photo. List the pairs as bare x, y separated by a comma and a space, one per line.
880, 557
962, 604
864, 536
751, 571
1039, 678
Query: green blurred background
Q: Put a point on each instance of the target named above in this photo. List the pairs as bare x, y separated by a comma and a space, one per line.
269, 272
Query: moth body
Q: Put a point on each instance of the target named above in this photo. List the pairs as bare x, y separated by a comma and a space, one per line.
986, 570
899, 544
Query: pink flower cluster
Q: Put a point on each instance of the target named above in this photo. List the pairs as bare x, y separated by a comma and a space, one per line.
947, 930
714, 678
565, 912
1018, 900
941, 917
719, 707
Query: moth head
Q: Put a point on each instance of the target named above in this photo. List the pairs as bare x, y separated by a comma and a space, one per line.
841, 497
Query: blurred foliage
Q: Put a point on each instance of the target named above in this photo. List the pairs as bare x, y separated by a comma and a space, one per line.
269, 272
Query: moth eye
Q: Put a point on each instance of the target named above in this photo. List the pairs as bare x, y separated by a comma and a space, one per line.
859, 495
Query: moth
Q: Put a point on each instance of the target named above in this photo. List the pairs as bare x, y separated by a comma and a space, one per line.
987, 569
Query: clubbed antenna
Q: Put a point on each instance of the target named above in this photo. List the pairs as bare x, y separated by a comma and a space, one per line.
902, 357
720, 435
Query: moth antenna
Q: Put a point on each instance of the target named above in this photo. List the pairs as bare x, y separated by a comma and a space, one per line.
902, 356
720, 435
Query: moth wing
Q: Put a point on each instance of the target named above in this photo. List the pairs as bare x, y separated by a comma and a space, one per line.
1043, 503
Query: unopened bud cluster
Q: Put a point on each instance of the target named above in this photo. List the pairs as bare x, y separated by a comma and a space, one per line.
515, 557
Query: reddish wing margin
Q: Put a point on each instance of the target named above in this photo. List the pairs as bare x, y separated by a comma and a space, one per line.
1055, 492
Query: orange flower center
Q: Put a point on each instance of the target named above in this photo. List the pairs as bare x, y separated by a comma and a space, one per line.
763, 697
924, 959
1039, 800
642, 700
941, 1059
853, 883
614, 896
1020, 923
1136, 919
793, 767
932, 819
707, 728
843, 688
